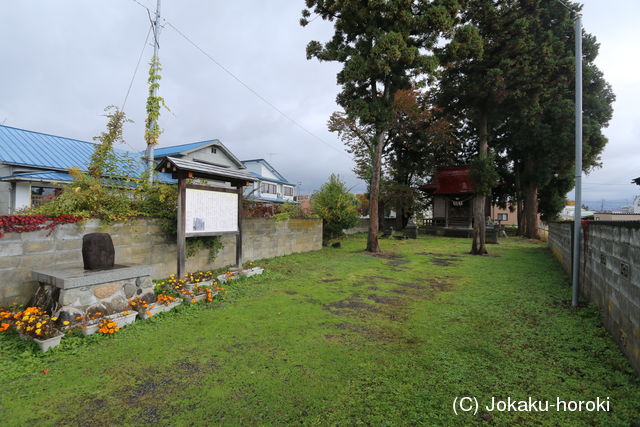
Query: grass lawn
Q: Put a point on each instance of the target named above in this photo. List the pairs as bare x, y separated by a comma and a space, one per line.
342, 337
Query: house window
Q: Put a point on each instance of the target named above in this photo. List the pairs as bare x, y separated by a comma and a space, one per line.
288, 191
40, 195
269, 188
214, 150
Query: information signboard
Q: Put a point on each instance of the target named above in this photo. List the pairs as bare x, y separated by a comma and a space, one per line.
210, 212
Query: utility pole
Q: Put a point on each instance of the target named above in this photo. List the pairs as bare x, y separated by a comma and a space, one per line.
156, 47
577, 224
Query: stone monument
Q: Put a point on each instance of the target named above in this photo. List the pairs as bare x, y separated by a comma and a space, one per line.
100, 286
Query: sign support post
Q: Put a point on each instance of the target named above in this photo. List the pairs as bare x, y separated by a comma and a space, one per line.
239, 235
181, 239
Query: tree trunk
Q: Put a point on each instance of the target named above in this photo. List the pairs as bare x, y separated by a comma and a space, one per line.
478, 246
372, 240
530, 211
518, 192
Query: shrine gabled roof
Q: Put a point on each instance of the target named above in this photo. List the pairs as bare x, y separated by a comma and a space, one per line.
451, 180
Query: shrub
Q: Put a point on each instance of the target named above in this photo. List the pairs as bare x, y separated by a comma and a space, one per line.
337, 207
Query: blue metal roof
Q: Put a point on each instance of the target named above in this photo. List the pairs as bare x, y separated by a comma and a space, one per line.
28, 148
268, 179
48, 176
281, 179
177, 149
41, 150
53, 176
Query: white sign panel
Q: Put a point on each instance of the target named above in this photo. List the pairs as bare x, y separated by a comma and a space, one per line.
208, 212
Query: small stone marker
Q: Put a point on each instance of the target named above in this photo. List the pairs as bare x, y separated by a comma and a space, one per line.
97, 251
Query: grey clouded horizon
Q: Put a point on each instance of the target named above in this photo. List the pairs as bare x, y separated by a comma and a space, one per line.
65, 61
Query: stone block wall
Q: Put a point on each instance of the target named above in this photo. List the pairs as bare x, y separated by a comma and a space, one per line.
141, 241
609, 275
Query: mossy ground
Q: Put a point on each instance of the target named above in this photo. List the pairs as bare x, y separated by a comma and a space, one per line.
339, 336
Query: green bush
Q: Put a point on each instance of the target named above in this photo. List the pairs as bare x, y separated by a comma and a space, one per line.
289, 210
337, 207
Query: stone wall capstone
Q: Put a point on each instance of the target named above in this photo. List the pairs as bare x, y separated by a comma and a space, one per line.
609, 275
142, 241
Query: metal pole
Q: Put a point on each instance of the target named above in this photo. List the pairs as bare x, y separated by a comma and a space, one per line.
156, 47
577, 226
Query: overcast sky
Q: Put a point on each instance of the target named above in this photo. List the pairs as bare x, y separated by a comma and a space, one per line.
64, 61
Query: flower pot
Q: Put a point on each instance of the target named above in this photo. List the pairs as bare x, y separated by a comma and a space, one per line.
48, 343
123, 320
189, 299
252, 271
90, 329
156, 308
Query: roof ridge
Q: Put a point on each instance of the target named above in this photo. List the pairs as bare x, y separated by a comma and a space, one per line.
190, 143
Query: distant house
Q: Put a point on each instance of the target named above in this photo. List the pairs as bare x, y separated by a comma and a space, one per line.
272, 187
34, 166
633, 208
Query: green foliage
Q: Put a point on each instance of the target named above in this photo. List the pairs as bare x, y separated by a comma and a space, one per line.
212, 244
103, 157
484, 175
446, 331
337, 207
382, 46
289, 210
154, 103
112, 191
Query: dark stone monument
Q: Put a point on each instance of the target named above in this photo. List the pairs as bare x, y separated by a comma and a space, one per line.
411, 230
97, 251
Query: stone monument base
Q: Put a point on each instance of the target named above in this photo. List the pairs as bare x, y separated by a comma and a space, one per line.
78, 292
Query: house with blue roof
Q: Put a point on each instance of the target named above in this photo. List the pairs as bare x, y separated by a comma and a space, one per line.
271, 185
34, 166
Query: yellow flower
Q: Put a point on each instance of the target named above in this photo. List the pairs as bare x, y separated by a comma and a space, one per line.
54, 318
38, 325
38, 331
65, 323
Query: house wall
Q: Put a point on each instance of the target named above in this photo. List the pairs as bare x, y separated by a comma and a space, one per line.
5, 190
609, 275
218, 158
142, 241
22, 196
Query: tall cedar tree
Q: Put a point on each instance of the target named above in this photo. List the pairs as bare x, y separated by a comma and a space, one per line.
473, 85
382, 45
541, 136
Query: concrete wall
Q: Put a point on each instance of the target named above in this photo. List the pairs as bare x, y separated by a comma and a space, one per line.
609, 275
142, 241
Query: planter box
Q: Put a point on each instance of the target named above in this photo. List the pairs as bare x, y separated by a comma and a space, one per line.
123, 320
189, 298
252, 271
157, 308
45, 345
224, 278
90, 329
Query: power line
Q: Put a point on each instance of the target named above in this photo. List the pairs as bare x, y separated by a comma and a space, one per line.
249, 88
144, 46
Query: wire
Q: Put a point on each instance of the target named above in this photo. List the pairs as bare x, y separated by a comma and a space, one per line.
250, 89
564, 4
144, 46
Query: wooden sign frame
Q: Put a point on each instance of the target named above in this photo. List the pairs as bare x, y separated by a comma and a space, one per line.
182, 234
